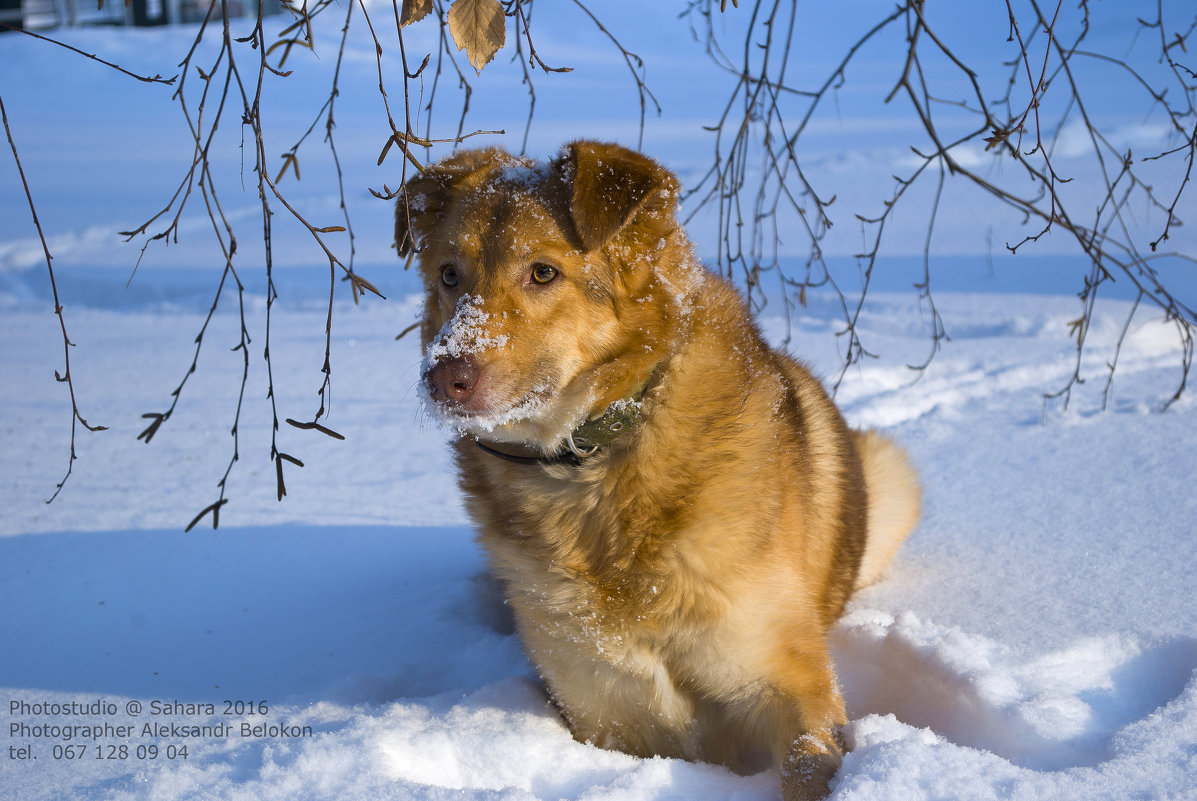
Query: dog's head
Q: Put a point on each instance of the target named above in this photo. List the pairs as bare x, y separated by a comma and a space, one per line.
551, 288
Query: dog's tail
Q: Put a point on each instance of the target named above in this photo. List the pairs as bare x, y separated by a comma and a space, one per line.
894, 501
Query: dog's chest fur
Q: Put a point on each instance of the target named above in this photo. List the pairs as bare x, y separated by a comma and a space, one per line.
609, 604
582, 553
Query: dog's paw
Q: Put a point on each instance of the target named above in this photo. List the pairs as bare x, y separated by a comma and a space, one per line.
809, 766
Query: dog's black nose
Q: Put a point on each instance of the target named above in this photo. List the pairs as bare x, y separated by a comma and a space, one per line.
453, 379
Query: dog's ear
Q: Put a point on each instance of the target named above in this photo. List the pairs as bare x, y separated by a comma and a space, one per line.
422, 201
611, 186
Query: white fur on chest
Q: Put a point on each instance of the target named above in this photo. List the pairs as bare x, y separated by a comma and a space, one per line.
610, 675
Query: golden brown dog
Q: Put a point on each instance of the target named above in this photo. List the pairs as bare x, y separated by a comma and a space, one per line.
677, 512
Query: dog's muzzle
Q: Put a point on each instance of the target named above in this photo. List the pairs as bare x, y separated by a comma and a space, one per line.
452, 380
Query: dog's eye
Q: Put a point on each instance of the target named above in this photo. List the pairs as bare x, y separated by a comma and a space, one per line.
449, 275
543, 273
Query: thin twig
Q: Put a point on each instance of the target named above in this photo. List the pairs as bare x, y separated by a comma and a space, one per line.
92, 56
65, 375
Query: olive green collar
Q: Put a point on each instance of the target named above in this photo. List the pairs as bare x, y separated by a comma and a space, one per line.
619, 419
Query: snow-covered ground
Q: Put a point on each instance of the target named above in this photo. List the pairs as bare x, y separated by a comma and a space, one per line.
1035, 639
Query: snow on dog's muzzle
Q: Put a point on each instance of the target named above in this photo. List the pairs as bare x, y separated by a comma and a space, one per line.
452, 371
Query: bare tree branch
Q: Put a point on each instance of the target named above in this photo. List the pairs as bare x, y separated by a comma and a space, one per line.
65, 376
92, 56
767, 114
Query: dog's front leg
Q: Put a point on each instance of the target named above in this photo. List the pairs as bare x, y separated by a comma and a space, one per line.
803, 710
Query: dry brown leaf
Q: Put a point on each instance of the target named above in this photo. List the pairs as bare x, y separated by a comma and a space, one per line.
479, 28
414, 11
